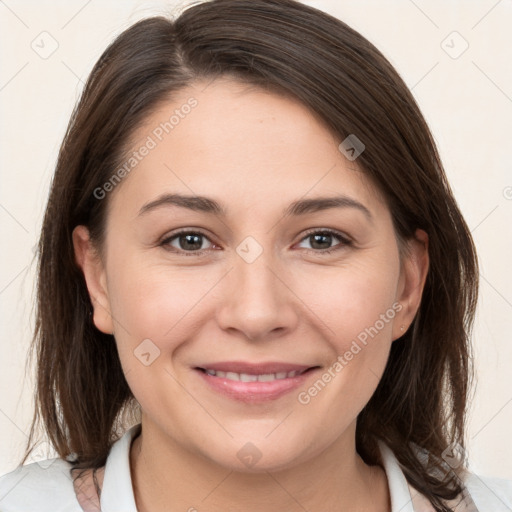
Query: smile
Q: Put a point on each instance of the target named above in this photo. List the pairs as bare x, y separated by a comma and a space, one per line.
254, 384
247, 377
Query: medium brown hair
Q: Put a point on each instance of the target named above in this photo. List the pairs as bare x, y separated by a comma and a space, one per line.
82, 396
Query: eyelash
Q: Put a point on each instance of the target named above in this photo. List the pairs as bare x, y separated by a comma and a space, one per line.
345, 242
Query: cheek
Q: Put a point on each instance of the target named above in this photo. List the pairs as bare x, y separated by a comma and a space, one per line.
150, 301
353, 301
154, 312
157, 303
165, 303
355, 307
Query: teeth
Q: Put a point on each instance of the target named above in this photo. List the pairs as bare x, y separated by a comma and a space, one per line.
246, 377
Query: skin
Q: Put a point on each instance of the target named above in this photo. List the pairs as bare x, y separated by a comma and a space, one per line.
255, 153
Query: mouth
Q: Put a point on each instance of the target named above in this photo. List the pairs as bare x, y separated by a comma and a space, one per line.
254, 383
249, 377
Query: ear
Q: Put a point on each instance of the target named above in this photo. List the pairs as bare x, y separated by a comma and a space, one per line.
92, 267
413, 275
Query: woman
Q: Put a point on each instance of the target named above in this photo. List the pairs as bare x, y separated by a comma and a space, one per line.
256, 289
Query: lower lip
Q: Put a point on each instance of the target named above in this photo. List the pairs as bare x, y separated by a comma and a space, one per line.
255, 392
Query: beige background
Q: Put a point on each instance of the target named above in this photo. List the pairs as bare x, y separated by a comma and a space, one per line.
466, 100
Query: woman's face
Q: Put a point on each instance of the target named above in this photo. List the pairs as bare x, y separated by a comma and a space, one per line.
252, 283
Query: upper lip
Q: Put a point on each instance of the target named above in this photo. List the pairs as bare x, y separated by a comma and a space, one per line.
254, 368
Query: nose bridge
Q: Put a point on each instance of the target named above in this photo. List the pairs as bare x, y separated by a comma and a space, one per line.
259, 302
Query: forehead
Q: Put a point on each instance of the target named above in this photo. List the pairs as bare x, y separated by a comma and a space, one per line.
240, 143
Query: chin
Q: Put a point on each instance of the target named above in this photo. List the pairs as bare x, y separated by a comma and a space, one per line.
252, 454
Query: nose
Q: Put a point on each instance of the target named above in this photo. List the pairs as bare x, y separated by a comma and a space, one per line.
258, 301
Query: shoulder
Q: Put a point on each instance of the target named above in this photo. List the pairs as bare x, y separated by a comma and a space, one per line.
480, 494
489, 493
43, 486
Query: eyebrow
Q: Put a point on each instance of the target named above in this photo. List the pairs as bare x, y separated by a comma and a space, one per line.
300, 207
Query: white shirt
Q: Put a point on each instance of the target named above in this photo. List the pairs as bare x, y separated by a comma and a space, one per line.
47, 486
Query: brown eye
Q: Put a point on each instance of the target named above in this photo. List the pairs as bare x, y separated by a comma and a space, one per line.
190, 242
321, 240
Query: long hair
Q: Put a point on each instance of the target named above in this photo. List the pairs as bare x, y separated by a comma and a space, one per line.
82, 398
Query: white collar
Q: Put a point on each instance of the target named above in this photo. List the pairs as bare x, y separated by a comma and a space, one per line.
117, 491
399, 489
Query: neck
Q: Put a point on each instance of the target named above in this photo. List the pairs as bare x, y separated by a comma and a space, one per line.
167, 476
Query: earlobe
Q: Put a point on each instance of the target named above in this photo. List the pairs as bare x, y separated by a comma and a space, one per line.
413, 277
89, 261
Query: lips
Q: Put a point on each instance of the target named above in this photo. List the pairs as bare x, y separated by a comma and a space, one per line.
254, 368
254, 382
247, 377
